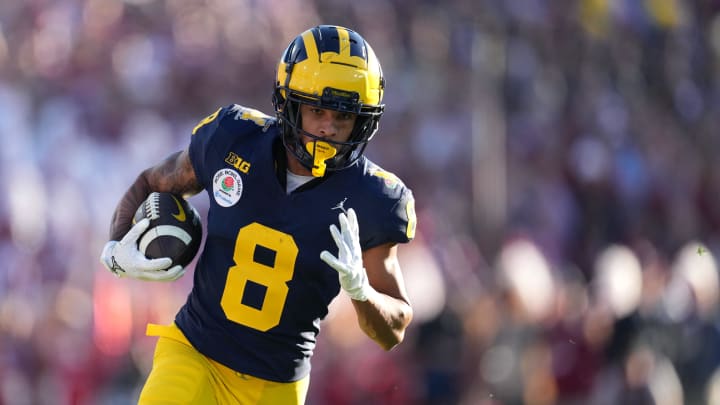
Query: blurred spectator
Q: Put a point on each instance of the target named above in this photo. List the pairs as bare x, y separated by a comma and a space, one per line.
563, 156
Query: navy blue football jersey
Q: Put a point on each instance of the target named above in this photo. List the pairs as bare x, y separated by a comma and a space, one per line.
260, 289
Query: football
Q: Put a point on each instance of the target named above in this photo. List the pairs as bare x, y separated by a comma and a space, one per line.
175, 229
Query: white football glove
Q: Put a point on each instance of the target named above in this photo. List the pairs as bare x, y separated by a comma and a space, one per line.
124, 259
348, 263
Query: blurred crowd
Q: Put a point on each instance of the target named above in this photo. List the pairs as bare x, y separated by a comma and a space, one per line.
562, 154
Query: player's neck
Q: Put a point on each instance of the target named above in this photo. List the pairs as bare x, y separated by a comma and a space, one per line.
295, 167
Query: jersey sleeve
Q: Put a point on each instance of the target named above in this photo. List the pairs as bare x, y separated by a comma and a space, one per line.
401, 219
212, 137
201, 142
394, 219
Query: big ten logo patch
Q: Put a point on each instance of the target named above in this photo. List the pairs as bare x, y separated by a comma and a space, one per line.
237, 162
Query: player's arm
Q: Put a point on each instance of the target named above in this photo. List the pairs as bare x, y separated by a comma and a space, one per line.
121, 255
175, 174
374, 282
386, 313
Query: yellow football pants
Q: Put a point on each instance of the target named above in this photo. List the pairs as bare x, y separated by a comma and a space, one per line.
181, 375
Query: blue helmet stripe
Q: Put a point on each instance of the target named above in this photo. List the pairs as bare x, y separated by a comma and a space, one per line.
296, 52
327, 39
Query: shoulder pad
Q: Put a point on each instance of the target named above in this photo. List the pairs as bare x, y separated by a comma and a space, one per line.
390, 180
240, 113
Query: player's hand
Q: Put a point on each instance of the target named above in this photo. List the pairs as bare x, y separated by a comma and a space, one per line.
124, 259
348, 263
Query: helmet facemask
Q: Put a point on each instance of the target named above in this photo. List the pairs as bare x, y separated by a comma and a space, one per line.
366, 125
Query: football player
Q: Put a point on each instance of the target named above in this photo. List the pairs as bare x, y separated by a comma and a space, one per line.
297, 212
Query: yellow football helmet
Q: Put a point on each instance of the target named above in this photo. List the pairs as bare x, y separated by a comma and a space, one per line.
331, 67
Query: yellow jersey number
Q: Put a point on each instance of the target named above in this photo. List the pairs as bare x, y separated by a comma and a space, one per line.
274, 278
